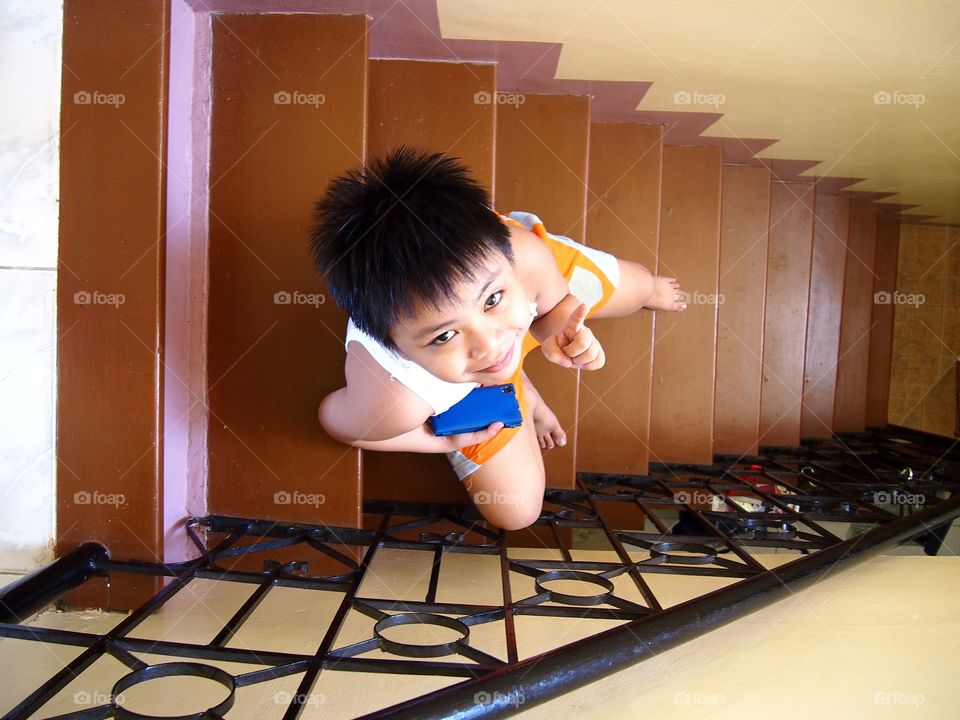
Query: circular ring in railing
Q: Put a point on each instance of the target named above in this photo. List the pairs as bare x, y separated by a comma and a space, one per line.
577, 515
819, 503
569, 599
704, 553
420, 618
451, 538
759, 528
174, 669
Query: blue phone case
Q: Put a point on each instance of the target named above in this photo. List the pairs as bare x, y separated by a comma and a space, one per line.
484, 405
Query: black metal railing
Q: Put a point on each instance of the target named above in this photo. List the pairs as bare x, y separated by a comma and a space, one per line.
834, 503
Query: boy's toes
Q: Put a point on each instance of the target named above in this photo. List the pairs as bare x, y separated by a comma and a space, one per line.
552, 439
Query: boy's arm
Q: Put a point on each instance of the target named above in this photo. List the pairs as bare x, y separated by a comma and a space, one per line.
551, 322
375, 413
574, 346
371, 406
559, 323
422, 440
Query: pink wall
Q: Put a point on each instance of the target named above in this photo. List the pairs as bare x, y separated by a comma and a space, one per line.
184, 412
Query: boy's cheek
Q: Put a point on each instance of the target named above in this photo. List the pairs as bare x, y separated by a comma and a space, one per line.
522, 315
440, 367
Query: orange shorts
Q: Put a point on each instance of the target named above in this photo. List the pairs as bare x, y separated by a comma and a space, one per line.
593, 276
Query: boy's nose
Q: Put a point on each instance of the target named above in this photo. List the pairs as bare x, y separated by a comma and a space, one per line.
485, 346
482, 350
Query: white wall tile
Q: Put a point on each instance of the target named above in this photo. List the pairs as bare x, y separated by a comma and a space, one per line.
30, 54
27, 390
30, 58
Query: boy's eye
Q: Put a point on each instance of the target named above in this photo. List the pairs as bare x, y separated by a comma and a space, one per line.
442, 338
493, 299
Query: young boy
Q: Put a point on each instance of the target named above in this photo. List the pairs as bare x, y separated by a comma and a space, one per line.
445, 295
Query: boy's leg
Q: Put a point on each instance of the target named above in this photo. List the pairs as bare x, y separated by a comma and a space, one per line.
508, 488
639, 288
547, 427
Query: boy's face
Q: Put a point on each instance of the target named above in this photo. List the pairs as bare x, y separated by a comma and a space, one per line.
475, 338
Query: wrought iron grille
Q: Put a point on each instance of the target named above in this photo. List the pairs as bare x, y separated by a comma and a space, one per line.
831, 503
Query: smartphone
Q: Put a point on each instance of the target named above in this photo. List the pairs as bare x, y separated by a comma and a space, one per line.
484, 405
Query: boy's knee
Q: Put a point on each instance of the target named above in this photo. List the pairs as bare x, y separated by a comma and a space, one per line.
508, 511
508, 489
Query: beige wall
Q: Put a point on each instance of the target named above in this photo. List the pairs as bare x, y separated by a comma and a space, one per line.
926, 330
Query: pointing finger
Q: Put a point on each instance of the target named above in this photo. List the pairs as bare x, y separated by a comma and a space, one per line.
575, 321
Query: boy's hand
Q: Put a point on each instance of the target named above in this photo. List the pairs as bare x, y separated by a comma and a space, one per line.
574, 346
462, 440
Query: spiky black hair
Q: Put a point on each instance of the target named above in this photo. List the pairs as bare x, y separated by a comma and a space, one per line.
407, 229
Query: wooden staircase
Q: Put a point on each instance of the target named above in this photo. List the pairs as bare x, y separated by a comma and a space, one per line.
782, 339
720, 377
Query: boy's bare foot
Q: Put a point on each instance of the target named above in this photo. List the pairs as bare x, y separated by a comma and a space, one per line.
548, 429
667, 294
